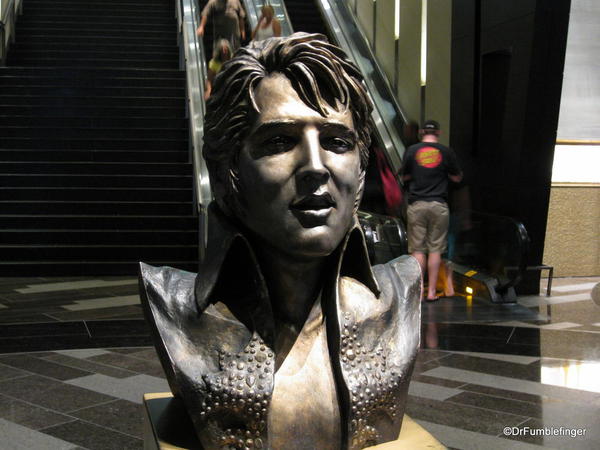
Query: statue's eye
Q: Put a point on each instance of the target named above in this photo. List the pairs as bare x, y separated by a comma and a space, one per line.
337, 144
279, 144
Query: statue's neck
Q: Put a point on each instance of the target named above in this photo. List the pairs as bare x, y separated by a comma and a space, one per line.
294, 286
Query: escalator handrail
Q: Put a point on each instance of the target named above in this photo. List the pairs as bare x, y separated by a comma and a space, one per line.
253, 13
8, 20
195, 67
251, 8
332, 11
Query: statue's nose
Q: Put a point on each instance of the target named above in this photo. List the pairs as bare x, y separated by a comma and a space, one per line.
312, 165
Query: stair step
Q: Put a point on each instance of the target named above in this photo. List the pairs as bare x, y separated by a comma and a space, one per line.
90, 62
60, 10
167, 35
52, 134
62, 180
138, 82
88, 46
173, 111
98, 237
146, 221
94, 168
87, 267
96, 144
37, 37
98, 24
82, 73
94, 155
119, 208
54, 100
97, 252
106, 194
79, 91
93, 20
170, 55
140, 4
93, 122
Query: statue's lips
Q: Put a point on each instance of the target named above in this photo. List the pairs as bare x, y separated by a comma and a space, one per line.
313, 210
314, 203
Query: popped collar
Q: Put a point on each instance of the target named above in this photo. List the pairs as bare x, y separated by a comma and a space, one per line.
214, 335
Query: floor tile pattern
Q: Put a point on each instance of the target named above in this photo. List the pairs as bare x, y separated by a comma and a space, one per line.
483, 367
463, 399
27, 300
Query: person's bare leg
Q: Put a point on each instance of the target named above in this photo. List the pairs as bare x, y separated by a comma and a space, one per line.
433, 267
422, 261
449, 291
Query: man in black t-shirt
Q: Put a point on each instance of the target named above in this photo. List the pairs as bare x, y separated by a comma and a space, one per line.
427, 167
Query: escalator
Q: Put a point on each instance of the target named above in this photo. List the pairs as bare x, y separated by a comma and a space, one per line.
489, 251
305, 16
386, 235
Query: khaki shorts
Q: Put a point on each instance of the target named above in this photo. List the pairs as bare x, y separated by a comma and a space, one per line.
427, 227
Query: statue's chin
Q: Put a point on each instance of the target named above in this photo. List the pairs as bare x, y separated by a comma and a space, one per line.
315, 242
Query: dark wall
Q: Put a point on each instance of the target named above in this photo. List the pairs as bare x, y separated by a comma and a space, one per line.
507, 64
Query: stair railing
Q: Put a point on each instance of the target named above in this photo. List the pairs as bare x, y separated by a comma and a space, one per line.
8, 24
194, 61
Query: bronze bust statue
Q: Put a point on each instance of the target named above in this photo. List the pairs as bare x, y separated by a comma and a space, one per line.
287, 338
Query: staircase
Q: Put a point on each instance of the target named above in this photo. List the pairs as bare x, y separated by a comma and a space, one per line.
94, 172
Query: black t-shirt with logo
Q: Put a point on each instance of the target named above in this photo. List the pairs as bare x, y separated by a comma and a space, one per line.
429, 165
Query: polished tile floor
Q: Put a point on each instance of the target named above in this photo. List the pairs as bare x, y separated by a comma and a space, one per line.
530, 366
36, 300
92, 399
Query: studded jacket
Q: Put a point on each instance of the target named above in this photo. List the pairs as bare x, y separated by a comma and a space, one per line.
214, 335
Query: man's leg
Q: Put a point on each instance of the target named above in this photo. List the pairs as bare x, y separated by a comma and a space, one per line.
436, 244
449, 286
417, 229
433, 267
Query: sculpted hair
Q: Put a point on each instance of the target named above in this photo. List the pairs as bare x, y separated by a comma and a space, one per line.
320, 73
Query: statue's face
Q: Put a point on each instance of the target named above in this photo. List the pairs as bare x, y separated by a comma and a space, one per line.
299, 173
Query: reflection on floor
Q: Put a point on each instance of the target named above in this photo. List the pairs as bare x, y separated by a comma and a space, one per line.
92, 399
482, 368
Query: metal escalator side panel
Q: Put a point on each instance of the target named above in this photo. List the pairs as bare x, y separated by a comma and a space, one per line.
195, 67
385, 237
388, 117
253, 12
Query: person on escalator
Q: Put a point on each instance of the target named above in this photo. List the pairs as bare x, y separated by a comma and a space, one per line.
427, 168
221, 54
228, 17
268, 26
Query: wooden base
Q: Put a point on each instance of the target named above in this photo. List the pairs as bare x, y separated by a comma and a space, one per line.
168, 427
